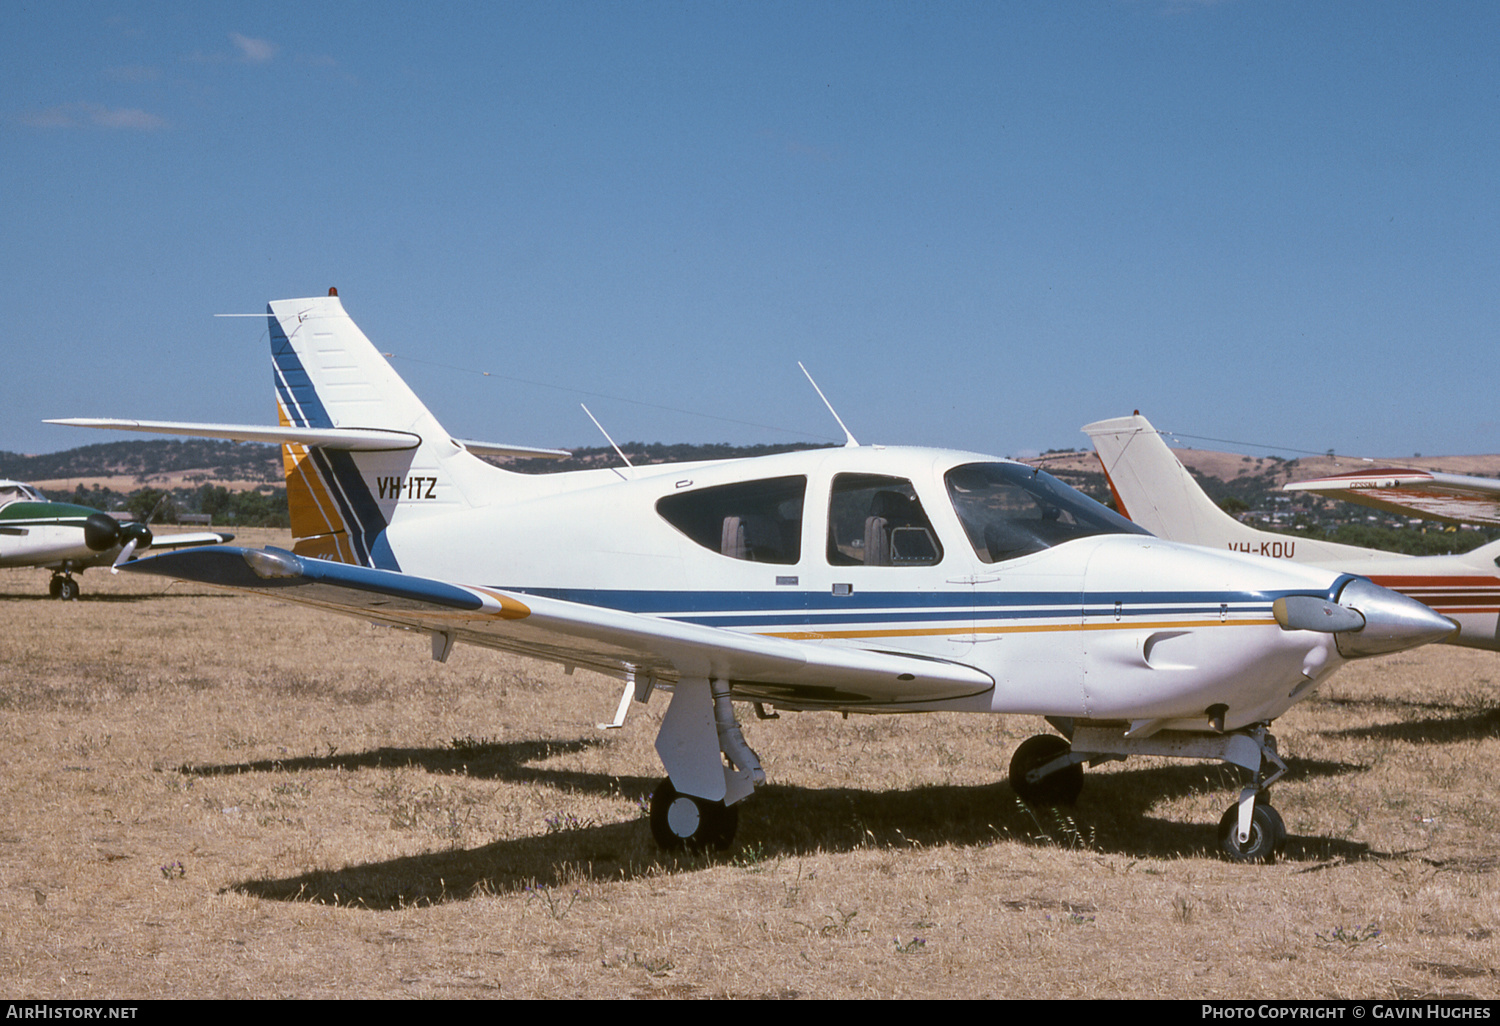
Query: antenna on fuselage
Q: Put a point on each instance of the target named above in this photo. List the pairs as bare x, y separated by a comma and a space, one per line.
850, 443
611, 441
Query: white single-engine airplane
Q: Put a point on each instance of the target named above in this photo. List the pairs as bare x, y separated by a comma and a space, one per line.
68, 539
859, 579
1154, 490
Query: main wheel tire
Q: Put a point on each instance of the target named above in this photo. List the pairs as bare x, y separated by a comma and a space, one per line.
1267, 835
64, 588
681, 822
1060, 788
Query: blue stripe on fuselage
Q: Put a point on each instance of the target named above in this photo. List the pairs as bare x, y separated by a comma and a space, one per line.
768, 609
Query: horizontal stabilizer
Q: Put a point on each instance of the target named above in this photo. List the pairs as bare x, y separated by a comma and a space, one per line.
350, 439
524, 451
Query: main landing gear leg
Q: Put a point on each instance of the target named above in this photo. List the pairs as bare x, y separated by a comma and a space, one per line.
694, 809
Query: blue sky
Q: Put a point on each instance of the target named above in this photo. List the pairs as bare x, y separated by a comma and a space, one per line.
979, 225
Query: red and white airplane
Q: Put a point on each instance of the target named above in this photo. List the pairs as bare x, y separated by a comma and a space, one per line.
858, 579
1155, 490
1453, 498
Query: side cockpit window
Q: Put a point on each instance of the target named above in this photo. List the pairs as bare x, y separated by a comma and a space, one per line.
757, 521
1010, 510
14, 491
875, 520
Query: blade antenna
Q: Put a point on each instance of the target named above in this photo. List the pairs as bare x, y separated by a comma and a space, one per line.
850, 443
608, 439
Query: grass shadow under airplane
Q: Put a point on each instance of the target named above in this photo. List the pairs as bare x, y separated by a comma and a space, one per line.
1112, 817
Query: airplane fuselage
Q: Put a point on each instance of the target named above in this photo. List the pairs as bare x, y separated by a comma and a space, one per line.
67, 538
45, 534
1104, 626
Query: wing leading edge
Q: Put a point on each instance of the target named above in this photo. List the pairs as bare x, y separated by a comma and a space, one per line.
792, 673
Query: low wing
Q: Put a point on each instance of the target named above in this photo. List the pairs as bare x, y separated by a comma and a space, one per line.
1424, 493
798, 674
161, 542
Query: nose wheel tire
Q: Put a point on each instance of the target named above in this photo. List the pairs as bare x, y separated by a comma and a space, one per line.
1057, 788
1267, 835
681, 822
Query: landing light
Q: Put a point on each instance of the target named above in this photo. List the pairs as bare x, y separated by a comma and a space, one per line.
270, 564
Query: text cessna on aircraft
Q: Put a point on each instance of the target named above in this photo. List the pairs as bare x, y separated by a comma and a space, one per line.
68, 539
861, 579
1155, 491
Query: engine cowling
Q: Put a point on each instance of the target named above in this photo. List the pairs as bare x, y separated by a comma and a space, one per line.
101, 531
138, 533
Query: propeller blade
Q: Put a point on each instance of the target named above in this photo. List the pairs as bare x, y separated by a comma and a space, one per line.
125, 556
157, 508
1366, 620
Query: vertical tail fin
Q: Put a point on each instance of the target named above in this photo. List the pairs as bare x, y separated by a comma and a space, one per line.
342, 500
1154, 489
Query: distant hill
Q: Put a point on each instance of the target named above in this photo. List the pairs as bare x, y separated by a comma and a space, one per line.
646, 453
181, 463
164, 463
174, 464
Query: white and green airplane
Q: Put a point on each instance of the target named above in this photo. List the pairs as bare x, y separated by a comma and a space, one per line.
67, 538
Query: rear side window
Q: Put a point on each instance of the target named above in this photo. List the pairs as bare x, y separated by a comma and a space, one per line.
757, 521
875, 520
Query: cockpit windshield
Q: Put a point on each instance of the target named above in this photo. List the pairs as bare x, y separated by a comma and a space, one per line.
1011, 510
15, 491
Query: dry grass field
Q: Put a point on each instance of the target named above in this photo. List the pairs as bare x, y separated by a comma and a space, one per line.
215, 796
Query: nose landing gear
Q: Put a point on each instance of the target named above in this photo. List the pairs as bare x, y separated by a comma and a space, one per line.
63, 587
1267, 835
1048, 770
